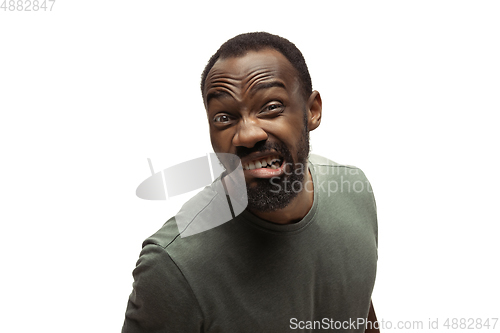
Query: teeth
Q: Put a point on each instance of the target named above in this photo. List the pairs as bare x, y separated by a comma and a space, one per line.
266, 162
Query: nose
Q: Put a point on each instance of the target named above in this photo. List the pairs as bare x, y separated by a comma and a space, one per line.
248, 134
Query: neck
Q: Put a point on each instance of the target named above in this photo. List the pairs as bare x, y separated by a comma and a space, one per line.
298, 207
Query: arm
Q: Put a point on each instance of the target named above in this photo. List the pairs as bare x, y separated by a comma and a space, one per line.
372, 318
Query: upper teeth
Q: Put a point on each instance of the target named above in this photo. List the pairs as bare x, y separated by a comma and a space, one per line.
261, 163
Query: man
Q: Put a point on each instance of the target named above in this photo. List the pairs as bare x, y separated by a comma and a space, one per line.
302, 255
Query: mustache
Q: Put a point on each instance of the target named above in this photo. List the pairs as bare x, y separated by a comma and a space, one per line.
261, 146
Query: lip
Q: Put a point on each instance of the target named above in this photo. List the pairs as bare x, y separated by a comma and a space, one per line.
265, 172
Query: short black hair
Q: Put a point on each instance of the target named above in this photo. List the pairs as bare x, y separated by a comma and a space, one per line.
255, 41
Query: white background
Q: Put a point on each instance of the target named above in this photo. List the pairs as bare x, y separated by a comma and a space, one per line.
91, 89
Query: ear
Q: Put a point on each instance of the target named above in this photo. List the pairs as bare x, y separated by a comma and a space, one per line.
314, 109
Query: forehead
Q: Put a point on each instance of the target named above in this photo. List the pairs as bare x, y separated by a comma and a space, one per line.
254, 65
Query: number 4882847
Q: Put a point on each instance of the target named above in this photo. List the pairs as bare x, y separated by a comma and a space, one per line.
27, 5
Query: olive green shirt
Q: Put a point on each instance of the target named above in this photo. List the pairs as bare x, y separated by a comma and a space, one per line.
250, 275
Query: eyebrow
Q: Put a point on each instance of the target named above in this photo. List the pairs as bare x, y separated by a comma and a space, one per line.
266, 85
217, 94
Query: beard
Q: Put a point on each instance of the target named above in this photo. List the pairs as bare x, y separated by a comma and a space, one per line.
268, 195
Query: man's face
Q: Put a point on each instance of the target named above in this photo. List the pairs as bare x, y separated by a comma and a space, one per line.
256, 111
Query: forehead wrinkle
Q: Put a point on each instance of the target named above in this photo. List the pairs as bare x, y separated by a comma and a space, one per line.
221, 83
217, 78
259, 75
221, 91
222, 75
221, 79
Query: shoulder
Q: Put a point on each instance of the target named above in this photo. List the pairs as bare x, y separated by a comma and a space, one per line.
192, 235
326, 167
205, 211
342, 181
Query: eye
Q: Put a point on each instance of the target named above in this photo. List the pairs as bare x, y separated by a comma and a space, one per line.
222, 119
273, 108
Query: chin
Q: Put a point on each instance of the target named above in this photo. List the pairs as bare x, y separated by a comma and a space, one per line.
271, 195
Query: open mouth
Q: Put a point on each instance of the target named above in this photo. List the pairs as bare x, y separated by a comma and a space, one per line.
270, 162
